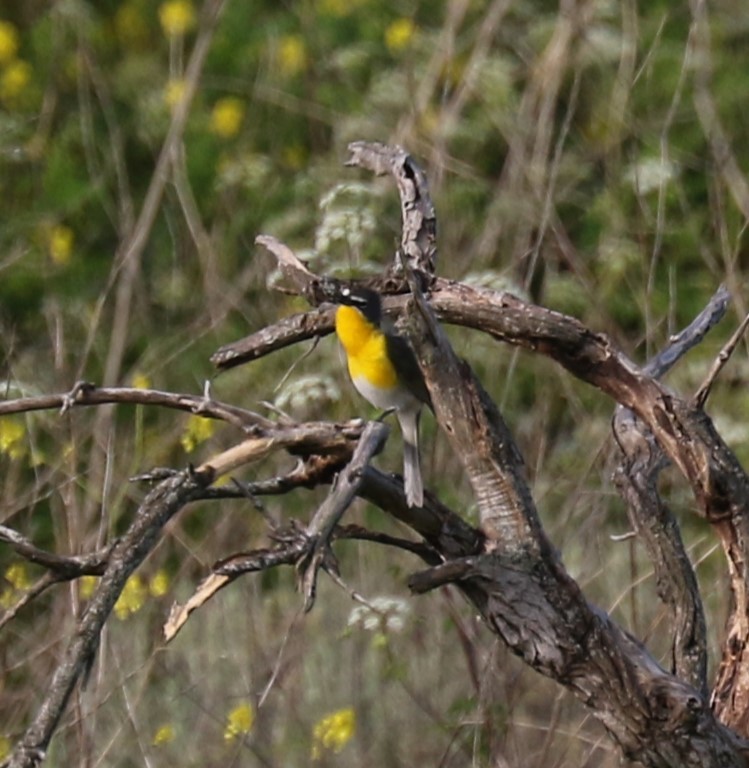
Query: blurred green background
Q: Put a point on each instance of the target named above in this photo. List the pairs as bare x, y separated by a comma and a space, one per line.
568, 156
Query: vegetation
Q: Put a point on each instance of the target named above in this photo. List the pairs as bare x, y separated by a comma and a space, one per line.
583, 155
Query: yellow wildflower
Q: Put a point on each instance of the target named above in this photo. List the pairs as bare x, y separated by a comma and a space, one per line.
227, 117
333, 732
60, 244
239, 721
159, 583
18, 575
12, 434
14, 80
8, 42
336, 7
140, 380
130, 25
292, 55
197, 431
38, 457
340, 8
294, 156
87, 585
177, 17
173, 92
132, 598
164, 735
399, 34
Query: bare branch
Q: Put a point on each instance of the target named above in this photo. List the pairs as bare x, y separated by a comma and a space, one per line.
692, 335
86, 394
293, 546
312, 471
419, 237
287, 553
41, 586
338, 501
308, 548
539, 611
724, 356
479, 437
636, 479
65, 568
283, 333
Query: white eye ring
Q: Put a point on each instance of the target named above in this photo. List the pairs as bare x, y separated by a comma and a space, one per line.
345, 291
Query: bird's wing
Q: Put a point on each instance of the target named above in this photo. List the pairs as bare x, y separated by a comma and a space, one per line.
400, 353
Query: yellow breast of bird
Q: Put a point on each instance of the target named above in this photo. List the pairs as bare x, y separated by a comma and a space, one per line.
366, 349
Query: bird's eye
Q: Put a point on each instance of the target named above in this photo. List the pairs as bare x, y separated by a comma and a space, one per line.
345, 291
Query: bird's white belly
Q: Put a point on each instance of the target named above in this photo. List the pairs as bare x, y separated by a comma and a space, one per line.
398, 397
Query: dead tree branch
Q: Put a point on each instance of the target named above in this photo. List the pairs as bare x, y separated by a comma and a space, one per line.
507, 568
63, 567
636, 479
330, 512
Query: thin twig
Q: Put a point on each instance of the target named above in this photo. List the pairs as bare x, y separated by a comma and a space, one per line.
86, 394
724, 356
37, 589
279, 657
692, 335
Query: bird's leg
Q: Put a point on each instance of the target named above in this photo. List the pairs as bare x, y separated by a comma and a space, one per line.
385, 414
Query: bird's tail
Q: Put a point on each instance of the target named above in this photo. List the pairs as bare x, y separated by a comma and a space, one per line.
409, 422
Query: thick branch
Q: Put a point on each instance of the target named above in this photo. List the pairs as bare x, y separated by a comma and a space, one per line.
481, 439
550, 638
540, 612
419, 234
528, 598
685, 433
636, 479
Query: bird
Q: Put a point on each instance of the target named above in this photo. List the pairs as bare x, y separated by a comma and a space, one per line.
384, 370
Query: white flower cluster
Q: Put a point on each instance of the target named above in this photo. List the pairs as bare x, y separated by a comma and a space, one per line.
386, 614
348, 218
651, 173
300, 393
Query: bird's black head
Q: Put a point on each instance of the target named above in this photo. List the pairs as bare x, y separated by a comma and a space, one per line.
367, 301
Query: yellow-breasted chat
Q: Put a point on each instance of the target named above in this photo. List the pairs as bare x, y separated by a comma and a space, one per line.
384, 370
